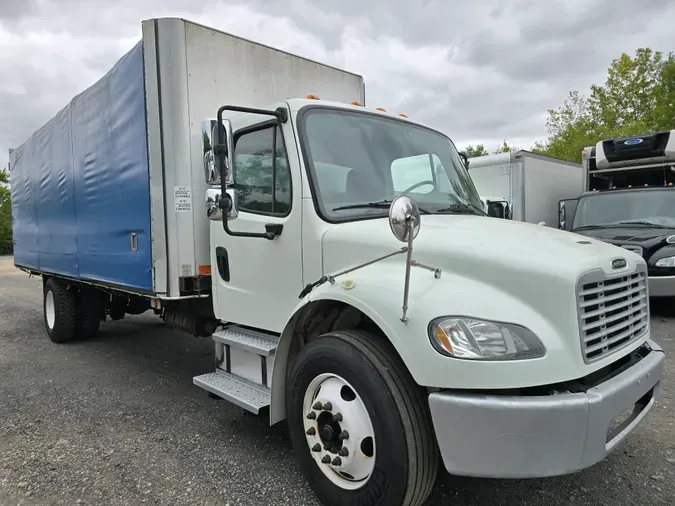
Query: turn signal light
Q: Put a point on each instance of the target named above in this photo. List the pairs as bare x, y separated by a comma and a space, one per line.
313, 97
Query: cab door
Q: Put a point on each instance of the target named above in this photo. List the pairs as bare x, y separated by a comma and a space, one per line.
256, 281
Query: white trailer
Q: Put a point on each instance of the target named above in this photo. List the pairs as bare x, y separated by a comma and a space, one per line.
339, 258
532, 184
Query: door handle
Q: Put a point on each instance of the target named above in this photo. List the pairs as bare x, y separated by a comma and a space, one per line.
223, 263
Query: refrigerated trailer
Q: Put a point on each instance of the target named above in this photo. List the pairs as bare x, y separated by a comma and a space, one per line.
339, 259
530, 183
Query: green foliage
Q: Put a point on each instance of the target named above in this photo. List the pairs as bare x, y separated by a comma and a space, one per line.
479, 150
472, 152
5, 214
505, 148
638, 97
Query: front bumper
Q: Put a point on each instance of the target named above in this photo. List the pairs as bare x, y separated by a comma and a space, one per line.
500, 436
661, 286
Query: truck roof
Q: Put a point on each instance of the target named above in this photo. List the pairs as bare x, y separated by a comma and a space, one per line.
510, 156
626, 190
295, 104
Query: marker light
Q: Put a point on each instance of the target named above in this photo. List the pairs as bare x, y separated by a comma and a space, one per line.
313, 97
357, 103
403, 115
380, 109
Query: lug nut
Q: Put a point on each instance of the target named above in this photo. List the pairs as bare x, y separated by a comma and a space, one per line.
311, 415
337, 417
311, 431
328, 406
325, 459
317, 406
344, 435
316, 447
344, 452
337, 461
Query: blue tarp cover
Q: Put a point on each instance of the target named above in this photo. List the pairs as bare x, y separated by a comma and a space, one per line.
80, 185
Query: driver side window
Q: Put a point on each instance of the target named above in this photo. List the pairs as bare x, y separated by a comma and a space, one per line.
406, 172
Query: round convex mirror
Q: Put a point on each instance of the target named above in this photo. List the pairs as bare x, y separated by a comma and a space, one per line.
402, 213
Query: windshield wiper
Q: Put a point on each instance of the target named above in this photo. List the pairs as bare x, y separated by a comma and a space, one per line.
460, 209
382, 204
589, 227
639, 222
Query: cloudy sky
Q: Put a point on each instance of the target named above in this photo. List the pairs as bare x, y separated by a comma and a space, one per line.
479, 71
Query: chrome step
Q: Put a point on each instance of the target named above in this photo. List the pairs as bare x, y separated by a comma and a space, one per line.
248, 340
239, 391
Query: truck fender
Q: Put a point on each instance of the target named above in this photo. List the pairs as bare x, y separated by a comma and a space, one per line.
323, 293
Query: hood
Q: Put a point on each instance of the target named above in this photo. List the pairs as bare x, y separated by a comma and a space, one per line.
649, 239
494, 250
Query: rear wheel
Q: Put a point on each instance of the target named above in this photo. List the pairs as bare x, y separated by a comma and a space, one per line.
359, 424
88, 312
60, 311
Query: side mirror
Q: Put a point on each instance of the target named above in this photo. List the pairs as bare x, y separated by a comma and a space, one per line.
211, 174
465, 159
561, 215
404, 219
217, 206
223, 150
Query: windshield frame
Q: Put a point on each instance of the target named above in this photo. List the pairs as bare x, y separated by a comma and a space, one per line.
622, 191
305, 149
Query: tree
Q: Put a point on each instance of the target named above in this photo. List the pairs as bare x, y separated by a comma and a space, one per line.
472, 152
638, 97
504, 148
5, 214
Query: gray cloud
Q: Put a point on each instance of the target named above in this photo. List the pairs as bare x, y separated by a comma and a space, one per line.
482, 72
16, 9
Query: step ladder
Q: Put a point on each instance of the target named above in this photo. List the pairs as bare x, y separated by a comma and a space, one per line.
244, 359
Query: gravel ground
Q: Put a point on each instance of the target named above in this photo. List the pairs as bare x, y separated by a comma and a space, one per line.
116, 420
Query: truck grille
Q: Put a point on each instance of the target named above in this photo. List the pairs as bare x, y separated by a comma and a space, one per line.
613, 311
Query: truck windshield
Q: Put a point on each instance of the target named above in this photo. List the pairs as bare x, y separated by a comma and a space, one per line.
360, 162
633, 207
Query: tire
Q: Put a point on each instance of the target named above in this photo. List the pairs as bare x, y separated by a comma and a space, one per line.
88, 313
405, 459
60, 311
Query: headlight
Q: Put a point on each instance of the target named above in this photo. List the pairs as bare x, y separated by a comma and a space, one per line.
473, 339
665, 262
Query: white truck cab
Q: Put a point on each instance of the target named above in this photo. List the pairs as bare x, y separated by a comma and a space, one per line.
386, 350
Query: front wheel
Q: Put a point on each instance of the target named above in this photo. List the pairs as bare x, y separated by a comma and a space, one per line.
359, 424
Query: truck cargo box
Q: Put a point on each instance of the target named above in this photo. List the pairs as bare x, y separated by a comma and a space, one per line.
111, 189
532, 183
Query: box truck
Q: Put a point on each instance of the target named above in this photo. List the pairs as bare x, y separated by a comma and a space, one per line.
628, 200
338, 257
526, 185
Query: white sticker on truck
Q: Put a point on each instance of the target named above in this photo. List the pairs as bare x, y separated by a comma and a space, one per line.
182, 197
